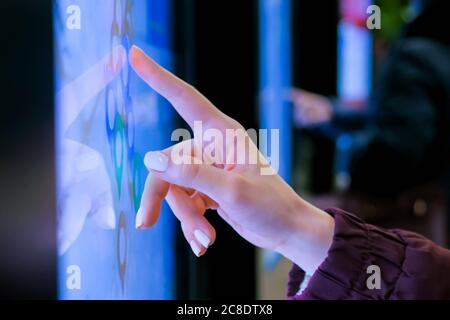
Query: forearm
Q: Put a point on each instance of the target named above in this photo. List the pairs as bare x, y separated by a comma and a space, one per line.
310, 237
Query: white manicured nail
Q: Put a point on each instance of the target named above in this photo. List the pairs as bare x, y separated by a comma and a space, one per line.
202, 238
139, 218
135, 47
156, 161
195, 248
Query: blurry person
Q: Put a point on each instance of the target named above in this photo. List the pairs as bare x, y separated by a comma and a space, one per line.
345, 257
402, 139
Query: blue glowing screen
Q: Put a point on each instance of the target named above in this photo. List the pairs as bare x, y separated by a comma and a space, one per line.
106, 119
275, 76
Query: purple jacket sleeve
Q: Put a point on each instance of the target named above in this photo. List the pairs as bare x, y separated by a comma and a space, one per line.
411, 266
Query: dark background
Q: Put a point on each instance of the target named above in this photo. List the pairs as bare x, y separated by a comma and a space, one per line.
27, 220
315, 69
218, 46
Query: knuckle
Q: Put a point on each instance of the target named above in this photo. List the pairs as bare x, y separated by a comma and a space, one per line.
190, 171
233, 124
182, 90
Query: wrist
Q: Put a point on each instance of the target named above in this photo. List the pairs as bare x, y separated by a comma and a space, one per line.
309, 236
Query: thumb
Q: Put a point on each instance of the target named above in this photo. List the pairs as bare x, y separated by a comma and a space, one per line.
212, 181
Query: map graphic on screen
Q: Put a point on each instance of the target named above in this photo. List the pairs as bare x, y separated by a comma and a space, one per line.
106, 119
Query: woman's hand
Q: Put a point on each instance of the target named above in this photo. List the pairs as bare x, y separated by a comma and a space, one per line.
235, 179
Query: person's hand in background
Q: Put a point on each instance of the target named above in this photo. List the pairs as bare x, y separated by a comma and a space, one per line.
250, 196
310, 109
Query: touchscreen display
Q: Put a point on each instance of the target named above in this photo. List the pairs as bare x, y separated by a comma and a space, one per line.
106, 119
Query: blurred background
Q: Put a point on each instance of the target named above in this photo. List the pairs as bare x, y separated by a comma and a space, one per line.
363, 118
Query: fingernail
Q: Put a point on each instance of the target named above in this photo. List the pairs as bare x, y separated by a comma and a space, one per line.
139, 218
202, 238
135, 47
156, 161
195, 248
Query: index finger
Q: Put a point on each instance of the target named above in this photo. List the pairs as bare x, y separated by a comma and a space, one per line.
190, 104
